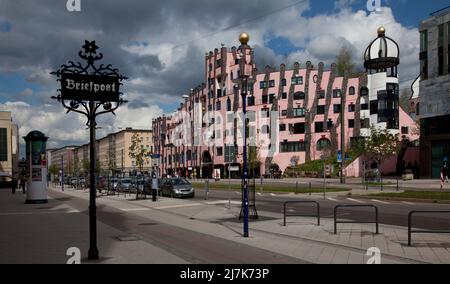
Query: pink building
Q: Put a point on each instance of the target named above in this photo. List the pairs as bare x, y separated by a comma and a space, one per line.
294, 114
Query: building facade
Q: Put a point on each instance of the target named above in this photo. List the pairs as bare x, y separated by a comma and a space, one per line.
113, 153
9, 145
63, 159
294, 115
434, 93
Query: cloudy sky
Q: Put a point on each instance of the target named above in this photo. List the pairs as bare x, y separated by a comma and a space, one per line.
160, 46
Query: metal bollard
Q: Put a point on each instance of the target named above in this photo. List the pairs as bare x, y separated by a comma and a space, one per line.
206, 189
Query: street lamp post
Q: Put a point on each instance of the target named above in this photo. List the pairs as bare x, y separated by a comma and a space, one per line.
342, 138
79, 96
243, 80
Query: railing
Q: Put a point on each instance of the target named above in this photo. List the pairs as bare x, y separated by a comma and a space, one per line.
301, 215
355, 222
410, 230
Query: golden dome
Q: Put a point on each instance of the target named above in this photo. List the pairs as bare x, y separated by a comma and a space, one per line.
381, 31
244, 38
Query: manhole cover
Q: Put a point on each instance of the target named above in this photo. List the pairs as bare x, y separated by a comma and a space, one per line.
127, 238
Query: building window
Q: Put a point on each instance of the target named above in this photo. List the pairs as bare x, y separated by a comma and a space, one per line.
229, 104
3, 145
298, 128
351, 91
336, 93
364, 106
209, 107
365, 123
219, 63
321, 94
337, 108
320, 109
405, 130
251, 101
323, 144
282, 127
424, 55
330, 123
263, 85
218, 105
374, 107
351, 123
297, 81
292, 147
299, 96
284, 113
219, 151
284, 96
351, 108
265, 99
271, 98
219, 93
298, 112
319, 127
441, 50
364, 91
283, 82
271, 83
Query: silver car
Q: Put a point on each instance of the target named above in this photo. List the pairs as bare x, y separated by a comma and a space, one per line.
177, 187
126, 185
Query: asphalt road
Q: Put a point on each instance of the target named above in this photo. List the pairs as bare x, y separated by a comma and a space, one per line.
189, 245
390, 212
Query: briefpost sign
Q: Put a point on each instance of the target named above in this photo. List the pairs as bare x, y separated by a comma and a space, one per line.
37, 167
90, 90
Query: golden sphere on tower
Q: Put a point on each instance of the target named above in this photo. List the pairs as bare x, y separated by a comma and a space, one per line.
244, 38
381, 31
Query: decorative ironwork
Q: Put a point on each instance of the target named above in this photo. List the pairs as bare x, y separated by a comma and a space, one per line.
82, 105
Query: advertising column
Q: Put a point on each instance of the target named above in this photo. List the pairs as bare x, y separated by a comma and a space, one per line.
37, 167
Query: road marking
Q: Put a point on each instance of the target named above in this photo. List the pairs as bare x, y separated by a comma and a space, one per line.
408, 203
238, 193
291, 210
272, 194
357, 201
381, 202
332, 199
179, 206
39, 213
134, 209
220, 202
260, 194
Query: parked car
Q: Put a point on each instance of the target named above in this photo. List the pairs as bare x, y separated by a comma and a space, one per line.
126, 185
177, 187
113, 183
5, 181
74, 182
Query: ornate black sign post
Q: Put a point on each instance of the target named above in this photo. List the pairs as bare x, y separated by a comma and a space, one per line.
85, 89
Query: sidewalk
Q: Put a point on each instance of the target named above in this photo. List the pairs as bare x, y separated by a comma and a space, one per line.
301, 239
42, 233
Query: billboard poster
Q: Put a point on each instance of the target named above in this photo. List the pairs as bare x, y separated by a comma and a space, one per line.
36, 174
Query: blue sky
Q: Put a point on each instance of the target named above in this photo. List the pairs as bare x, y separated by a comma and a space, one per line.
164, 63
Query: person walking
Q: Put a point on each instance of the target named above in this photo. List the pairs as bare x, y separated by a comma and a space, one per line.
446, 172
442, 177
23, 184
14, 185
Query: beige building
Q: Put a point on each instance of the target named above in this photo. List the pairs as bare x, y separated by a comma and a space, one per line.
112, 152
9, 144
63, 158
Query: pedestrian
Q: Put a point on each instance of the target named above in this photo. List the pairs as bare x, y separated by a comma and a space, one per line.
446, 172
23, 184
14, 185
416, 170
442, 177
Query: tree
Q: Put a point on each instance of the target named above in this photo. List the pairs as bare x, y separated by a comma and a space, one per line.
381, 145
111, 157
53, 169
344, 62
138, 152
86, 165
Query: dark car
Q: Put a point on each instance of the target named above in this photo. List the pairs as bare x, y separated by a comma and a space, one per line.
5, 181
177, 187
